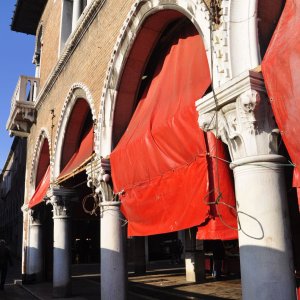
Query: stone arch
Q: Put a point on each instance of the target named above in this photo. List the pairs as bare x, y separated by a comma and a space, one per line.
194, 10
44, 135
77, 91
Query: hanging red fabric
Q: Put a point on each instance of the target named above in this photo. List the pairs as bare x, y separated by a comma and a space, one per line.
160, 162
41, 190
81, 156
280, 68
222, 223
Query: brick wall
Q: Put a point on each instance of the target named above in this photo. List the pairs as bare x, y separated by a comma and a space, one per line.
51, 28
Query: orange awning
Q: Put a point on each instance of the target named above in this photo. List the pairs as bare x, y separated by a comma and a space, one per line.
41, 189
160, 163
80, 158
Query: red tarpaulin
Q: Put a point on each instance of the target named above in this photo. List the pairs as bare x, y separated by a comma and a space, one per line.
41, 189
80, 157
280, 68
223, 219
161, 162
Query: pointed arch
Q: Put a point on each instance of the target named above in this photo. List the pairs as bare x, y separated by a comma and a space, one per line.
38, 49
76, 92
195, 11
43, 136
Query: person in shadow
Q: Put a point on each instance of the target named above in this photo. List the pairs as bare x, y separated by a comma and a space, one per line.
5, 259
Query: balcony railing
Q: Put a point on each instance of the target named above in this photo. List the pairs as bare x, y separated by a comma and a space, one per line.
22, 112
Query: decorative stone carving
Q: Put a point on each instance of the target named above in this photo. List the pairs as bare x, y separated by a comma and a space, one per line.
241, 115
99, 178
61, 199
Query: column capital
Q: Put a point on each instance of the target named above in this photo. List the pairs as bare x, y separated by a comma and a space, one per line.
99, 178
61, 198
239, 112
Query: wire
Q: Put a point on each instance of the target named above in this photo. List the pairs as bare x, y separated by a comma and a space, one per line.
95, 206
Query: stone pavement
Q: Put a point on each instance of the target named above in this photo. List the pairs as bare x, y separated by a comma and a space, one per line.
161, 282
11, 290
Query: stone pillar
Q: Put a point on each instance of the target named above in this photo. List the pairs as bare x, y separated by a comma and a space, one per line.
240, 113
60, 198
76, 13
112, 238
35, 265
194, 258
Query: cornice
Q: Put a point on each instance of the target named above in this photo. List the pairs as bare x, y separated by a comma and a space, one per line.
228, 92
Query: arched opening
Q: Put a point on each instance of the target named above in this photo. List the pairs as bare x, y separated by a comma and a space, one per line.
42, 177
38, 52
167, 61
76, 153
143, 51
79, 130
41, 227
44, 162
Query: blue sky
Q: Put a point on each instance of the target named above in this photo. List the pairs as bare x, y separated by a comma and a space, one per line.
15, 59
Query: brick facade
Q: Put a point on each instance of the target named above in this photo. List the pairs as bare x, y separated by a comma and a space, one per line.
96, 45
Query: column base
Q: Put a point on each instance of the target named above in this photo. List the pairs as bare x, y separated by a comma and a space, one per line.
194, 265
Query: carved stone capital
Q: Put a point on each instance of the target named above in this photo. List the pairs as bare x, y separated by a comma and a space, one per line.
99, 179
61, 199
241, 115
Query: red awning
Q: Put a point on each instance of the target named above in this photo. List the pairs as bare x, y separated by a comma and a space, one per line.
80, 157
222, 223
160, 163
41, 189
280, 68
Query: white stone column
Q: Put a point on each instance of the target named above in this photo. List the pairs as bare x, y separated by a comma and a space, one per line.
60, 200
35, 265
194, 258
242, 116
76, 13
112, 238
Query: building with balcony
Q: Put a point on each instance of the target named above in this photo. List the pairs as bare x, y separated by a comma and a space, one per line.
153, 117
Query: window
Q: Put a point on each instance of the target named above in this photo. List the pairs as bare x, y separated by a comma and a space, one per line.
71, 12
38, 51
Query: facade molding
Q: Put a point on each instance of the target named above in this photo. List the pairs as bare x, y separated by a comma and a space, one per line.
196, 11
78, 90
70, 46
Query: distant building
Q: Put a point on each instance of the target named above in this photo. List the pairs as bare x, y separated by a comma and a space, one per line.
12, 182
